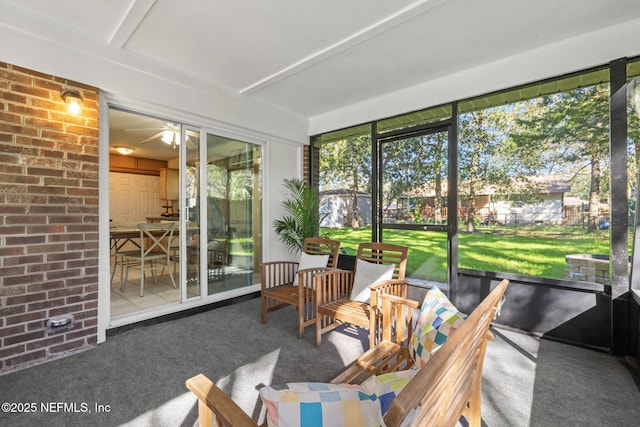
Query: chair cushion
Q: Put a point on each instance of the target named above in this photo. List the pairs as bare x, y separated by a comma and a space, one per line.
310, 261
387, 386
437, 321
367, 274
320, 404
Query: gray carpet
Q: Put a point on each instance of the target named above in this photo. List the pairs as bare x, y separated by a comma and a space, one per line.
139, 375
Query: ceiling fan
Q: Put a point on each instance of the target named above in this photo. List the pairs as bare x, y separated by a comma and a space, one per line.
168, 133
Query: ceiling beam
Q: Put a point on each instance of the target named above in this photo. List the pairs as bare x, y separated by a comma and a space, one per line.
129, 22
412, 10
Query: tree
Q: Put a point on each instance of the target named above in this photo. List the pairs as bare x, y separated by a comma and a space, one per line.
481, 161
346, 164
566, 129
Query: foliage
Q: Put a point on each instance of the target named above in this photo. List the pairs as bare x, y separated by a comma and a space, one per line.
346, 164
302, 214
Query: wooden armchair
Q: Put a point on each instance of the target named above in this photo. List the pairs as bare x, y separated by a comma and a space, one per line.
447, 387
289, 283
334, 302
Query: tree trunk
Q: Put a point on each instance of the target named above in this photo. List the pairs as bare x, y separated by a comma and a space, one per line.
594, 194
471, 203
355, 222
437, 201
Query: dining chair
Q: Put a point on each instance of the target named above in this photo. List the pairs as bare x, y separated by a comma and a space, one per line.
155, 243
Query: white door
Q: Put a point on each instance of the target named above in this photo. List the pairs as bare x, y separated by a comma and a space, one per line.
133, 197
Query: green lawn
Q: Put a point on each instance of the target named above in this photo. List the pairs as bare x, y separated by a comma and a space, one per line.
529, 250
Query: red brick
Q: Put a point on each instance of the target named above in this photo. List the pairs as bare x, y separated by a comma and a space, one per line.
26, 317
10, 351
49, 164
45, 343
22, 280
23, 338
12, 330
24, 299
25, 358
67, 346
53, 312
8, 311
48, 304
81, 333
25, 240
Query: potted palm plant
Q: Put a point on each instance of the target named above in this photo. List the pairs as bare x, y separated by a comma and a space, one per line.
302, 214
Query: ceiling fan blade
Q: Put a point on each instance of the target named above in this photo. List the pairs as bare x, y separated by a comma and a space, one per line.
150, 138
156, 128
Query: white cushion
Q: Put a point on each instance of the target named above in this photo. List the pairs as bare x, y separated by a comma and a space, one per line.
310, 261
367, 274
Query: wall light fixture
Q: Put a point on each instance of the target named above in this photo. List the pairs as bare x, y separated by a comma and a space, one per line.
73, 99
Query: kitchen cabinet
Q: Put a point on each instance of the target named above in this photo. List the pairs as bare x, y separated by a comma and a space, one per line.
136, 165
169, 184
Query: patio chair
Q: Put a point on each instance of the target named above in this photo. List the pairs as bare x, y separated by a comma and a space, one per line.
352, 296
291, 283
446, 385
155, 241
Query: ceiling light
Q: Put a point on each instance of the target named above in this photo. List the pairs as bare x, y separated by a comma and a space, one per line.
73, 99
167, 137
124, 150
170, 138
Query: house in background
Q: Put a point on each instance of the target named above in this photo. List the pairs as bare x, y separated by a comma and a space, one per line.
336, 206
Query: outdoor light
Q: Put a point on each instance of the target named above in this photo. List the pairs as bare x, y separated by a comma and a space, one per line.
73, 99
124, 150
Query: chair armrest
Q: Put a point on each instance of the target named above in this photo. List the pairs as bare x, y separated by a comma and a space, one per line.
333, 285
383, 358
396, 318
277, 273
213, 403
306, 277
397, 287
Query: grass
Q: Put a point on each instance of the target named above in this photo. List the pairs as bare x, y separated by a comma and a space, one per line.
529, 250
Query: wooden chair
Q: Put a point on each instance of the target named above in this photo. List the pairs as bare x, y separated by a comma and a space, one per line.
278, 277
334, 305
447, 387
155, 241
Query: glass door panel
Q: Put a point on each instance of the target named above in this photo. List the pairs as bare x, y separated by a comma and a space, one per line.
191, 243
413, 200
234, 212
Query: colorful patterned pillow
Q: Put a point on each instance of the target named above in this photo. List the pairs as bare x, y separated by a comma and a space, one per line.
437, 321
387, 386
367, 274
318, 404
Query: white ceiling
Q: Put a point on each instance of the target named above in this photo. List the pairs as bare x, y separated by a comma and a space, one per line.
310, 57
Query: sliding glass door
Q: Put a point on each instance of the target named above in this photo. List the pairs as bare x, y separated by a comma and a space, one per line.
233, 177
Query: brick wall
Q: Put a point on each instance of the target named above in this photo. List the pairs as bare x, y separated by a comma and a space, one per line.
48, 218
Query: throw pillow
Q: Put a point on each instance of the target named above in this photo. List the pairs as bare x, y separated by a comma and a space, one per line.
437, 321
310, 261
367, 274
387, 386
318, 404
